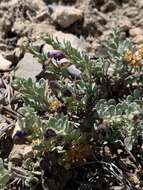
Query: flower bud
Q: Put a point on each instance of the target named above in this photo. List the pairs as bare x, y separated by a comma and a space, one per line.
49, 133
56, 54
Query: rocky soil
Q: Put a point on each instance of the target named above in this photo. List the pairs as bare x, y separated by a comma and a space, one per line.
85, 23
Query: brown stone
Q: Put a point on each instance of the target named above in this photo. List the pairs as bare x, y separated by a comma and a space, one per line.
20, 152
135, 31
138, 39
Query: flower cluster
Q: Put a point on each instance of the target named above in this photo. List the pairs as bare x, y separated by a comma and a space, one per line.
78, 154
134, 58
55, 104
56, 54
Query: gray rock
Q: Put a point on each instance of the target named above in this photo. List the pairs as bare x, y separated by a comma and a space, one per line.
28, 67
65, 16
74, 71
47, 48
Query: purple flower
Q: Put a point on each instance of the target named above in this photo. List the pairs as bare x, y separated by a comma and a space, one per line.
67, 93
56, 54
20, 134
49, 133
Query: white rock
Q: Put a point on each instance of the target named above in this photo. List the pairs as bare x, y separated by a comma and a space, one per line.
46, 48
74, 71
64, 62
28, 67
65, 15
4, 63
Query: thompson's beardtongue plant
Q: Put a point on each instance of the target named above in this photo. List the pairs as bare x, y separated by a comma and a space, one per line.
82, 121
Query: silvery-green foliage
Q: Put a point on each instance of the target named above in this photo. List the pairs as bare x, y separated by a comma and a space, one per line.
60, 124
35, 94
4, 174
116, 46
31, 123
35, 126
119, 116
